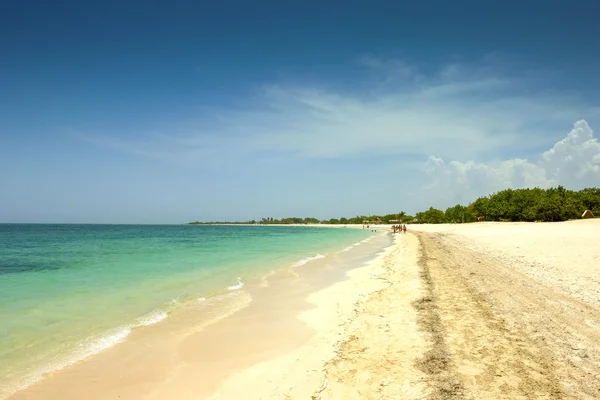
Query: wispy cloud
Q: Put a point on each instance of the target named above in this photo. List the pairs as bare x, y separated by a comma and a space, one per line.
455, 112
446, 136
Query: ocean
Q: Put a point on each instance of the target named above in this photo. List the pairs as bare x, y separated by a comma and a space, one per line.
70, 291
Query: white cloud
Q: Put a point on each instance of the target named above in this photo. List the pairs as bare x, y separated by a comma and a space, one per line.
573, 162
456, 112
576, 157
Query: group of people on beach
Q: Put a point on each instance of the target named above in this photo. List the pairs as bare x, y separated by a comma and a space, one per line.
399, 228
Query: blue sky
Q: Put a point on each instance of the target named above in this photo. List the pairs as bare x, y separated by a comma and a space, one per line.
165, 112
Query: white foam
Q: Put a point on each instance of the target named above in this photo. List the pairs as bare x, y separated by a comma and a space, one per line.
151, 319
91, 346
201, 299
353, 245
88, 348
103, 343
237, 286
305, 260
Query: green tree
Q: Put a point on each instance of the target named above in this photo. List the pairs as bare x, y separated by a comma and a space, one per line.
431, 216
311, 220
357, 220
590, 199
457, 214
479, 208
406, 218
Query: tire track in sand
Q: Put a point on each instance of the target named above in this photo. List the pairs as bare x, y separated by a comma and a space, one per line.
474, 353
437, 361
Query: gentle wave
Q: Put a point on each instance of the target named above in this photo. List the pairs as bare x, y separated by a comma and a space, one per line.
351, 247
237, 286
95, 346
264, 281
89, 347
152, 318
305, 260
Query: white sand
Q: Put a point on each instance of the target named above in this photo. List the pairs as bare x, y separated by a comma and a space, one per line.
367, 339
564, 255
372, 343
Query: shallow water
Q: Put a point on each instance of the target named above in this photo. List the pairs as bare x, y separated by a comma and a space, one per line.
69, 291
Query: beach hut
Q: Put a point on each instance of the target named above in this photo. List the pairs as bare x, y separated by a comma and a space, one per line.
587, 214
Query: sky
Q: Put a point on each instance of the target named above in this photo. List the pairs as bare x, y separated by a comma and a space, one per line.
169, 112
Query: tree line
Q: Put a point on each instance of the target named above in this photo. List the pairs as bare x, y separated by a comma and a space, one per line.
265, 221
553, 204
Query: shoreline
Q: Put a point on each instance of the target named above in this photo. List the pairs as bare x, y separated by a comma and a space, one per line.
164, 336
354, 346
455, 311
26, 366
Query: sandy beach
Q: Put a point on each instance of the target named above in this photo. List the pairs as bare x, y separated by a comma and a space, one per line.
473, 311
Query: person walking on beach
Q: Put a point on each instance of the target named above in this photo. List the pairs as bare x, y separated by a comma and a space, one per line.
393, 228
404, 228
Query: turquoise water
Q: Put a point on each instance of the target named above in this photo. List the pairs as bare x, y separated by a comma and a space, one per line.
69, 291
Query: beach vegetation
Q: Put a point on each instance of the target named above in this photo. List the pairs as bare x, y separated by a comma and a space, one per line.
536, 204
431, 216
